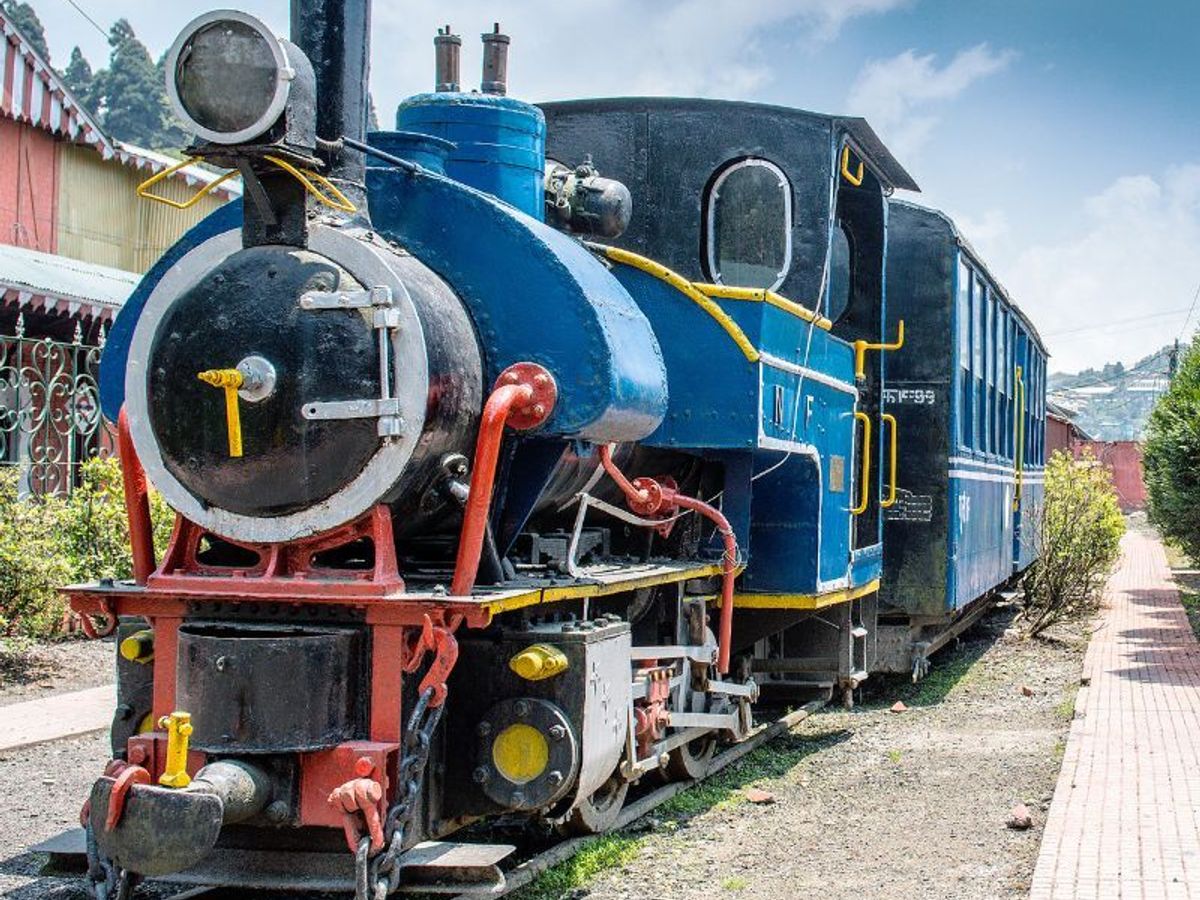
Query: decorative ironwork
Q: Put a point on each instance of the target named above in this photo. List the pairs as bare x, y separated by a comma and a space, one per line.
50, 419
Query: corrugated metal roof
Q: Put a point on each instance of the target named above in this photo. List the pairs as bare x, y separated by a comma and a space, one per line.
50, 281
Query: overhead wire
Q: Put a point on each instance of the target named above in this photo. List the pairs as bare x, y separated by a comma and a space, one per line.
79, 9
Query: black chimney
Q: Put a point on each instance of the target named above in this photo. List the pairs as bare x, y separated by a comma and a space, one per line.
336, 36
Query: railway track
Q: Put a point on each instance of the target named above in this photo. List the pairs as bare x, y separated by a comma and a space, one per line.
529, 869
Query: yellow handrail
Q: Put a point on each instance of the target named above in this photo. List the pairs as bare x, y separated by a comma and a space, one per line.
143, 189
865, 481
1019, 468
762, 295
685, 287
861, 347
335, 198
891, 497
855, 180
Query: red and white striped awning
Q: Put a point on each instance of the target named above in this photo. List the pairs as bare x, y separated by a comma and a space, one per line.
43, 282
32, 92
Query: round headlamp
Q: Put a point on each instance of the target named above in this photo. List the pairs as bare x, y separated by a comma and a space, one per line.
228, 77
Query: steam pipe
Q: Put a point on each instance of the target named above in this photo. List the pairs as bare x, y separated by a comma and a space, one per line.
336, 36
647, 496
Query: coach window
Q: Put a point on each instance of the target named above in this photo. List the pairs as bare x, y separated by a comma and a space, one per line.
989, 363
977, 300
748, 221
963, 313
1002, 375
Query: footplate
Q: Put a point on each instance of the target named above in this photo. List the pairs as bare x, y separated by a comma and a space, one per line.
432, 867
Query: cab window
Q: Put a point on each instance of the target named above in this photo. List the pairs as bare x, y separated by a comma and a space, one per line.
748, 220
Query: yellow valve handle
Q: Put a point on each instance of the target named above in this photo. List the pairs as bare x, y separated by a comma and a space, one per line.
230, 380
143, 189
855, 180
178, 726
861, 347
865, 480
891, 497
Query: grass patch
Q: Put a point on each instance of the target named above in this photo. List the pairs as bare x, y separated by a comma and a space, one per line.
736, 883
608, 851
1066, 707
1060, 750
895, 756
721, 791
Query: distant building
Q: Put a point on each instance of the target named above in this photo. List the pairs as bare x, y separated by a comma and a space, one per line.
74, 240
1124, 458
1062, 431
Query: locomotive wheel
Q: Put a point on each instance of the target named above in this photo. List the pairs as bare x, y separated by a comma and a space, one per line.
691, 761
599, 811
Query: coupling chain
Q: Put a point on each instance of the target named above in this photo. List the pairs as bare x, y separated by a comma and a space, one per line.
105, 880
376, 877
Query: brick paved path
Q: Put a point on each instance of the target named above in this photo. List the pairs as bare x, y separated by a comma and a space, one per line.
1125, 819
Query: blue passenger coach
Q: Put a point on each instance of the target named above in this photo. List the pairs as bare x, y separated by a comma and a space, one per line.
968, 394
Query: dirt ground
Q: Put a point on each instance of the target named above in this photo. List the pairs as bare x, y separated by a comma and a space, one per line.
867, 804
877, 804
47, 669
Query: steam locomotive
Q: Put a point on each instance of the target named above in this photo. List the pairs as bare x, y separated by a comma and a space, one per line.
514, 452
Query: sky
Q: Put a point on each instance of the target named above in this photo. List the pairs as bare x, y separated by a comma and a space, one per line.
1062, 135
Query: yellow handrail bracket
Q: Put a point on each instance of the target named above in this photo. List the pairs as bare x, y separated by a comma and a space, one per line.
865, 480
861, 347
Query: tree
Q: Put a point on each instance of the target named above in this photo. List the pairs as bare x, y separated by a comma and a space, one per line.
27, 22
81, 81
134, 95
1172, 457
1076, 538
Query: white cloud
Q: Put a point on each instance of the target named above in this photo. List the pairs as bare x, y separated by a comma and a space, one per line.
896, 94
1134, 254
615, 47
684, 47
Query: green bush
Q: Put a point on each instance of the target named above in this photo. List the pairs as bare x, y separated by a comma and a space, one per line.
1077, 534
48, 542
1172, 457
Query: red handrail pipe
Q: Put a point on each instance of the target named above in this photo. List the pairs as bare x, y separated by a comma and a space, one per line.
648, 496
137, 503
523, 398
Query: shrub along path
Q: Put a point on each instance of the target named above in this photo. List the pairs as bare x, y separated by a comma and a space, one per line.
1125, 820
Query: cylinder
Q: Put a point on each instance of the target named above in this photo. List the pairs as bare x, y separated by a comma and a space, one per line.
447, 49
336, 36
495, 62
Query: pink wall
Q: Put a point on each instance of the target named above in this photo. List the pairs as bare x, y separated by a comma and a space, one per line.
1125, 460
28, 187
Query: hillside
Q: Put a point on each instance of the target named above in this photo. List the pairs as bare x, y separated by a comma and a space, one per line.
1113, 403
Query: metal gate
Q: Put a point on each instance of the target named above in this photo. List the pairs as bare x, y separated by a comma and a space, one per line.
50, 419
